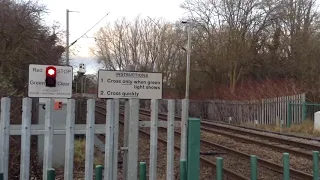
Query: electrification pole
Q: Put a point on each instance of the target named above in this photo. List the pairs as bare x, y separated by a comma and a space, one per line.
67, 37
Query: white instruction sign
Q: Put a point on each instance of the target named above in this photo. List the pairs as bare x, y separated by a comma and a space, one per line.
37, 84
127, 85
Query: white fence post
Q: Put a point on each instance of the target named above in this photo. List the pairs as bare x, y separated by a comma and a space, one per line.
184, 120
170, 139
133, 139
69, 153
47, 155
25, 139
116, 138
153, 140
4, 136
108, 170
90, 139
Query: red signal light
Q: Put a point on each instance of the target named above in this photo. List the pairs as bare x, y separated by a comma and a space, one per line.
51, 71
51, 76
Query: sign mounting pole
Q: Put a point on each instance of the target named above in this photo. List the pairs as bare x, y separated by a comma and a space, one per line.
126, 131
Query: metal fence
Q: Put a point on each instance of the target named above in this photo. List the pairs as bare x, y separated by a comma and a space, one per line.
19, 132
25, 129
14, 155
265, 111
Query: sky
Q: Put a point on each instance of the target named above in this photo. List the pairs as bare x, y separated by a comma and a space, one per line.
90, 12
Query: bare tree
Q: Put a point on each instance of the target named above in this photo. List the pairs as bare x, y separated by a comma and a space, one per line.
148, 44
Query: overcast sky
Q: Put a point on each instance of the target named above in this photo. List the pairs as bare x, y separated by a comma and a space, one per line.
90, 12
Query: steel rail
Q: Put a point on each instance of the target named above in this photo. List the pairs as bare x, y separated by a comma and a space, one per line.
249, 128
264, 136
272, 146
244, 131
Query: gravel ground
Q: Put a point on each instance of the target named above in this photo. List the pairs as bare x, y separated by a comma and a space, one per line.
144, 153
242, 166
206, 173
296, 162
261, 152
234, 163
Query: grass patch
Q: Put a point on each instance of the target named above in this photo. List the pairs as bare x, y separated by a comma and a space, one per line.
80, 155
304, 128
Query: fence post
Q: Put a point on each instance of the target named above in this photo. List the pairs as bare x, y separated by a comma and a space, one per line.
193, 161
108, 161
115, 139
133, 139
286, 166
143, 171
98, 172
48, 138
153, 140
219, 168
183, 170
125, 167
304, 111
69, 151
184, 129
253, 164
170, 140
315, 155
90, 126
25, 138
289, 117
51, 173
4, 136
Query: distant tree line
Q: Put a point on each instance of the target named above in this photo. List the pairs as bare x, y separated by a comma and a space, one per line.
235, 44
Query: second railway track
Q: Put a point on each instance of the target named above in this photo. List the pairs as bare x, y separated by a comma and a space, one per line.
306, 144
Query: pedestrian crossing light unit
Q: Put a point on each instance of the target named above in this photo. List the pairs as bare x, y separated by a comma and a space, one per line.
51, 73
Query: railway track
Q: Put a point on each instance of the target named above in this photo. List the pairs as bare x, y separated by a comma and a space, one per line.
273, 132
231, 130
248, 128
278, 139
257, 130
229, 173
270, 165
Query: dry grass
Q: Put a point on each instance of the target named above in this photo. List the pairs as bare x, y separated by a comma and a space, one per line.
80, 155
304, 128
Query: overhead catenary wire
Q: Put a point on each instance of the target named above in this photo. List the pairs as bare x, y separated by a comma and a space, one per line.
89, 29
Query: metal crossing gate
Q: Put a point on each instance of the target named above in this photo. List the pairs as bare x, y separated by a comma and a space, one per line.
50, 129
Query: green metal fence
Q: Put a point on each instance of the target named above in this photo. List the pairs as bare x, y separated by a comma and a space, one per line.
308, 110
